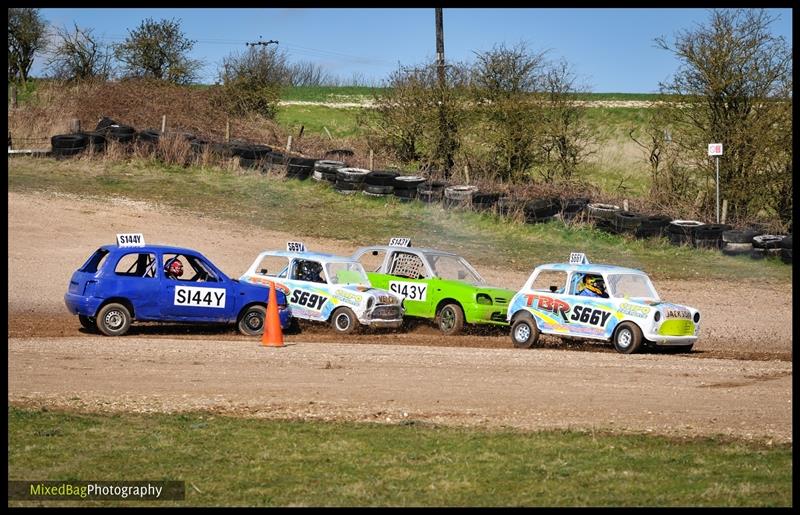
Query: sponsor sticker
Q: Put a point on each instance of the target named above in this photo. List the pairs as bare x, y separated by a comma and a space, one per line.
678, 313
411, 291
202, 297
634, 310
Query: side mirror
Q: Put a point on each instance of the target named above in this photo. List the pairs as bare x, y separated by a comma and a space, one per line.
553, 288
374, 252
263, 271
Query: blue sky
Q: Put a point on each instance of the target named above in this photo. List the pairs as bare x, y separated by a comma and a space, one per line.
611, 50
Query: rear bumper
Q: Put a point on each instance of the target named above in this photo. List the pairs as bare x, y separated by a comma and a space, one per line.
80, 305
666, 341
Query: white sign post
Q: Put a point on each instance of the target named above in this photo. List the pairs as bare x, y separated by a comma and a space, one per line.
715, 149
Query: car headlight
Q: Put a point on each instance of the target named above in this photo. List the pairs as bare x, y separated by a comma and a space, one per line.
483, 298
657, 316
696, 317
370, 303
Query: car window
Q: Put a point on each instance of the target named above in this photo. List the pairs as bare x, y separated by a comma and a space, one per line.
588, 285
453, 268
408, 265
136, 264
95, 262
554, 281
347, 273
189, 268
275, 266
372, 260
308, 270
202, 270
631, 286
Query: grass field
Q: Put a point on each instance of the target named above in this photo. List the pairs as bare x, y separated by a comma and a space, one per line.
482, 238
229, 461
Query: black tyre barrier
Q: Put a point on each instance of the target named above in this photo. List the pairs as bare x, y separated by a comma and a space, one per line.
249, 151
681, 232
149, 136
605, 225
433, 187
428, 195
381, 178
275, 158
626, 221
346, 188
351, 175
786, 242
541, 210
67, 152
709, 236
298, 172
572, 207
405, 194
407, 182
737, 249
120, 133
459, 196
377, 190
505, 205
767, 241
97, 142
246, 162
485, 201
739, 235
786, 256
598, 211
326, 164
198, 146
653, 226
104, 123
68, 141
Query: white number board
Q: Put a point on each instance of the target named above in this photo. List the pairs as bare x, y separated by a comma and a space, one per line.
130, 240
578, 258
411, 291
400, 242
715, 149
203, 297
295, 246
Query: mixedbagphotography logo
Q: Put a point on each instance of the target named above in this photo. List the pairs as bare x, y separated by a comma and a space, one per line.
96, 490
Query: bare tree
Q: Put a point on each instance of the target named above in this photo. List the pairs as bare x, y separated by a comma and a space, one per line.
733, 87
502, 80
306, 73
565, 136
252, 80
78, 55
27, 35
158, 50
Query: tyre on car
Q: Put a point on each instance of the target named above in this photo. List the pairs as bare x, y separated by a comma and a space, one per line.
344, 321
113, 319
251, 320
450, 319
627, 338
524, 332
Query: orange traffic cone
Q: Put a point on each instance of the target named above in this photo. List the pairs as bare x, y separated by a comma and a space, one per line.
272, 335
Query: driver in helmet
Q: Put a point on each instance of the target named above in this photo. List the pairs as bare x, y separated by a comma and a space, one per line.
592, 286
173, 269
310, 271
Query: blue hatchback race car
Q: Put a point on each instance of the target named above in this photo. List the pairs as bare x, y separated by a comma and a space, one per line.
134, 281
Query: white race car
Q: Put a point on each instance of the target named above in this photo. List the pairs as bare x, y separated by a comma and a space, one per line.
326, 288
603, 302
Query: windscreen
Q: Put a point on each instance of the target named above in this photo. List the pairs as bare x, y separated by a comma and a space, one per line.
636, 286
453, 268
346, 273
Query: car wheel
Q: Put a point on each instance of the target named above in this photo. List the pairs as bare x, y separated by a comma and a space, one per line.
251, 323
627, 338
113, 319
524, 333
89, 323
450, 319
344, 321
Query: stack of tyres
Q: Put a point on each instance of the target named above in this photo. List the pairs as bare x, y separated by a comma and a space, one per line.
736, 242
602, 215
653, 226
406, 186
380, 183
627, 222
325, 170
786, 250
767, 245
485, 201
350, 180
709, 236
250, 155
681, 232
572, 208
431, 191
65, 145
541, 210
459, 196
299, 167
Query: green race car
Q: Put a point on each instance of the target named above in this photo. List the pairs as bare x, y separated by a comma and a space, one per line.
437, 285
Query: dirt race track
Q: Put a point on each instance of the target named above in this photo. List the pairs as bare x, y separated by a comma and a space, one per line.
737, 382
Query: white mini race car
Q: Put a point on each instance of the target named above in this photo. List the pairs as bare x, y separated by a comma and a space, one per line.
603, 302
326, 288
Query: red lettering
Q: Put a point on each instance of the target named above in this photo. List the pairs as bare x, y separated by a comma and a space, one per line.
546, 303
531, 298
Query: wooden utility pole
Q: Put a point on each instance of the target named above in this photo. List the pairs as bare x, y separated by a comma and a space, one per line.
444, 145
